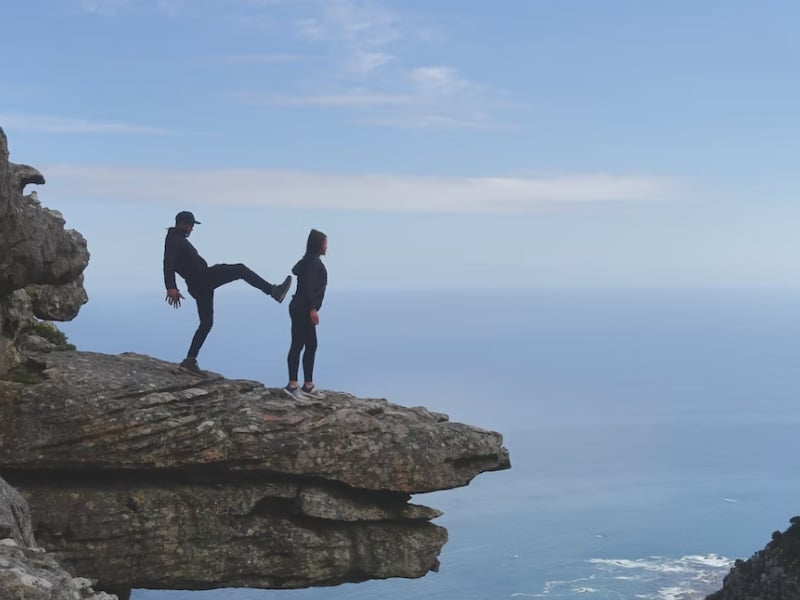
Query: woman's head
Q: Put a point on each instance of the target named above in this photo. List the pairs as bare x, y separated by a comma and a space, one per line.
317, 243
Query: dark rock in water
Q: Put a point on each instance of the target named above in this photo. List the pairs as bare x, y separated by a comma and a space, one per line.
770, 574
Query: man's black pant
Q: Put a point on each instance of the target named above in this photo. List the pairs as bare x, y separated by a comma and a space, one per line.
202, 290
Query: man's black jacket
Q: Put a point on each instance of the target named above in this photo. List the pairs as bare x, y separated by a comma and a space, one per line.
182, 258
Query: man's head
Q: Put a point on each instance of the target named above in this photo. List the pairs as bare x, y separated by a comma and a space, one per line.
185, 222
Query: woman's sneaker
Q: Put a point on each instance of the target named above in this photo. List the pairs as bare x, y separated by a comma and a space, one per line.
312, 392
294, 392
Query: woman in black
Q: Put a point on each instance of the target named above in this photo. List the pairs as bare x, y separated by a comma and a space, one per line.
312, 278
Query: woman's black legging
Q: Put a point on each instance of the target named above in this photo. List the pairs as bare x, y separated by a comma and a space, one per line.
304, 335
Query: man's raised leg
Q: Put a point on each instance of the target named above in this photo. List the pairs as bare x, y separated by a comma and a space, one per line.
224, 273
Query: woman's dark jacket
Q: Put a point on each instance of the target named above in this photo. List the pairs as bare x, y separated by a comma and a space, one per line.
312, 276
312, 279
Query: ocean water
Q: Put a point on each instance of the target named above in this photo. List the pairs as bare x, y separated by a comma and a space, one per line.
652, 432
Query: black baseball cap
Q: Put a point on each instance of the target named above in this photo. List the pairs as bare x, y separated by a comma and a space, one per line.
185, 217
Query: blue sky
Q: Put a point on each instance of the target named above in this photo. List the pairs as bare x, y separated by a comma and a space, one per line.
440, 144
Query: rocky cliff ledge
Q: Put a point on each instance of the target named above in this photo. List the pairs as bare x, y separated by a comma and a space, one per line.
140, 475
770, 574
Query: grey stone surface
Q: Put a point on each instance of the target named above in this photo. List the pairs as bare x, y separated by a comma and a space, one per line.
15, 518
131, 411
27, 572
32, 574
195, 536
141, 475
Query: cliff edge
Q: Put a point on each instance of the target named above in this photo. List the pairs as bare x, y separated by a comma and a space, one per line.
139, 475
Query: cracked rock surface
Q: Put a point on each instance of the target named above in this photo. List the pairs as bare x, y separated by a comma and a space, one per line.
140, 475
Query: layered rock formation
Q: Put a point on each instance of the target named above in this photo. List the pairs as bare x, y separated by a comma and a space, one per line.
140, 475
770, 574
26, 571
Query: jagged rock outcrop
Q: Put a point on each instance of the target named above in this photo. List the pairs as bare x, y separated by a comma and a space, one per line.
140, 475
40, 262
770, 574
41, 268
28, 572
15, 518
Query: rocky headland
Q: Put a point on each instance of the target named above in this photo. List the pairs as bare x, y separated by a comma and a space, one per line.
129, 473
770, 574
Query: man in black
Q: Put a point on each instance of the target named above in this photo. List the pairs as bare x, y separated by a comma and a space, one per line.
201, 280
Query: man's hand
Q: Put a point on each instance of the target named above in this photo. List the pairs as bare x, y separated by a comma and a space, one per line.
174, 298
314, 316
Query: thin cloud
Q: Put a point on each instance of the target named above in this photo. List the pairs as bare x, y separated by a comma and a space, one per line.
356, 99
352, 44
364, 64
438, 80
259, 58
53, 124
433, 121
359, 25
369, 192
367, 42
103, 7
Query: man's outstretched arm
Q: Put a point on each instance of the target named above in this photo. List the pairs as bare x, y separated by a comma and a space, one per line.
174, 296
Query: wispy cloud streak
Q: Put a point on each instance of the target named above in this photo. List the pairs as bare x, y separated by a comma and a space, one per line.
346, 45
246, 59
103, 7
347, 99
369, 192
54, 124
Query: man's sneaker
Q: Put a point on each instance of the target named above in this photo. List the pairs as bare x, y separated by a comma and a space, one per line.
190, 364
294, 392
279, 291
312, 392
